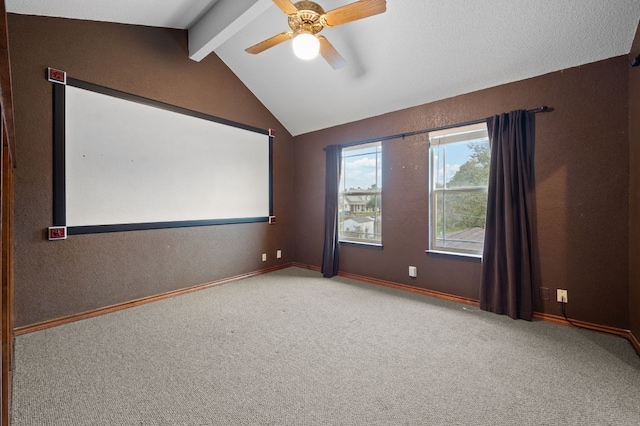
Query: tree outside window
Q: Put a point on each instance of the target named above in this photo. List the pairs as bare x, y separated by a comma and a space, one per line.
460, 174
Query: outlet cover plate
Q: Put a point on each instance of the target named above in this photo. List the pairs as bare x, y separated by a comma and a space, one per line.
544, 293
562, 296
413, 271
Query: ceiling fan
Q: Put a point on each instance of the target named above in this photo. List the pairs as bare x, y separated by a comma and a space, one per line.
307, 19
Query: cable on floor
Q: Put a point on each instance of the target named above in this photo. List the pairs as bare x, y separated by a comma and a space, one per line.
564, 314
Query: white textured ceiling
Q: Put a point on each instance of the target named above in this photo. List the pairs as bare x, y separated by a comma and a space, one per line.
154, 13
417, 52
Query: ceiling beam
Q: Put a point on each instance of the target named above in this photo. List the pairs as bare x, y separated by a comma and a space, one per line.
220, 23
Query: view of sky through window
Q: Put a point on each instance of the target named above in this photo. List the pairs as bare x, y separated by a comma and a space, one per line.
446, 165
361, 168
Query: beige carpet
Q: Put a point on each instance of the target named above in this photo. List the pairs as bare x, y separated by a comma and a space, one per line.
292, 348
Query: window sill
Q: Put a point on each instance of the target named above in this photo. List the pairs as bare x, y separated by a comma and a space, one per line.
464, 256
358, 243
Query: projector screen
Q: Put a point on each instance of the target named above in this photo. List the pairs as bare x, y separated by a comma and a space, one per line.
122, 162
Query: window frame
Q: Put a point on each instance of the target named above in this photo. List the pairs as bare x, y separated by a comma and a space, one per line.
434, 246
377, 212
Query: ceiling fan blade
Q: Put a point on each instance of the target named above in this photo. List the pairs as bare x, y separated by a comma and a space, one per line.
270, 42
330, 54
286, 6
354, 11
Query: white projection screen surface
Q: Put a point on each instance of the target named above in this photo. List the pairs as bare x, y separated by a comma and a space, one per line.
131, 163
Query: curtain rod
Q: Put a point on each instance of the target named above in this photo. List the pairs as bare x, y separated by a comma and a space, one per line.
543, 108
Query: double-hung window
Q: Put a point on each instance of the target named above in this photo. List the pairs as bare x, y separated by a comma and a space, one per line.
360, 194
458, 189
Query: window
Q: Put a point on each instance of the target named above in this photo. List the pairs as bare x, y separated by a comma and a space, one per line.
459, 178
360, 194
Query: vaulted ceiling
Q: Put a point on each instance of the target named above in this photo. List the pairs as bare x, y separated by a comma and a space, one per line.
418, 51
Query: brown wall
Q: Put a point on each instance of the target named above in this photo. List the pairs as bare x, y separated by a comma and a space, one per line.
85, 272
581, 166
582, 215
634, 191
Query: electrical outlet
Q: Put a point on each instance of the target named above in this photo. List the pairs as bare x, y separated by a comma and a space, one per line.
264, 257
544, 293
413, 271
563, 296
279, 254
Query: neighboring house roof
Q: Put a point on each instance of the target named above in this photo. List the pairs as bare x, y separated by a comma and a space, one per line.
466, 239
361, 219
356, 199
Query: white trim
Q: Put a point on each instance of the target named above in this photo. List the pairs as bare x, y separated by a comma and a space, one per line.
454, 253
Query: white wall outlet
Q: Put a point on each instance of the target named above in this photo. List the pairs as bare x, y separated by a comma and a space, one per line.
413, 271
279, 254
264, 257
563, 296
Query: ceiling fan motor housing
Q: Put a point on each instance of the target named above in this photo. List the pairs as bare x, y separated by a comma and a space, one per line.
308, 18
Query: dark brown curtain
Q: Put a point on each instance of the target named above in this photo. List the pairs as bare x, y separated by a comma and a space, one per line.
506, 286
331, 250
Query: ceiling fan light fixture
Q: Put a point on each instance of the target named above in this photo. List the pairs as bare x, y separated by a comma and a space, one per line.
306, 46
307, 18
